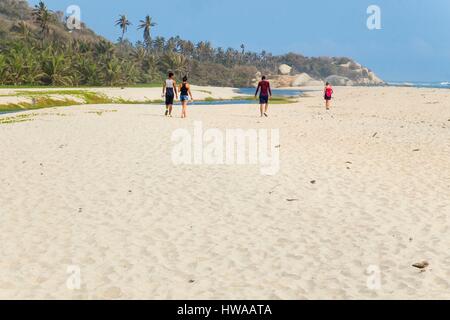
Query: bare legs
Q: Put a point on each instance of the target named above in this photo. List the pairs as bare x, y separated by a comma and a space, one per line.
263, 108
328, 104
184, 109
169, 108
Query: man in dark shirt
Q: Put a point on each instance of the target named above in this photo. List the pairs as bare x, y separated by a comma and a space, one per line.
265, 93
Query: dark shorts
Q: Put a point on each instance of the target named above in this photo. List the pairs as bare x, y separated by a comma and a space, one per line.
263, 99
184, 98
170, 96
328, 98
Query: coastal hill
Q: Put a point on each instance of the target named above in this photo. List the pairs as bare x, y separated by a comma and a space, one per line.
16, 17
36, 48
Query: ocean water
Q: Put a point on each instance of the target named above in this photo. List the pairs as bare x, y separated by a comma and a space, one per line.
249, 92
437, 85
6, 112
218, 102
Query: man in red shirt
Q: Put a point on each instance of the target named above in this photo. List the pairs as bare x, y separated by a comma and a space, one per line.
265, 93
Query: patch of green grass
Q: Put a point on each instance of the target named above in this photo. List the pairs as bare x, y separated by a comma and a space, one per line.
147, 85
273, 100
4, 86
282, 100
11, 107
96, 98
88, 96
210, 99
17, 119
50, 92
39, 103
101, 112
205, 91
139, 85
125, 101
157, 101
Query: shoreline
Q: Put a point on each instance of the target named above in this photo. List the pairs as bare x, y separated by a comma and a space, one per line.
15, 100
21, 99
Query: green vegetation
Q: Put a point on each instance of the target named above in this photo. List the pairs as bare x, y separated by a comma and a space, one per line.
273, 100
205, 91
17, 118
101, 112
37, 49
87, 96
38, 103
42, 99
95, 98
282, 100
49, 92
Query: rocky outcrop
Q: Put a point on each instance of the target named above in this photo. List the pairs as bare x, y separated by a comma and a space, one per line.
357, 74
301, 80
347, 74
304, 80
339, 81
284, 69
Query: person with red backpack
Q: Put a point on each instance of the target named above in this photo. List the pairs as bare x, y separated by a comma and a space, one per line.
328, 92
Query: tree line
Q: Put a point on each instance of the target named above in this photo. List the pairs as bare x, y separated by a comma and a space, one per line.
41, 51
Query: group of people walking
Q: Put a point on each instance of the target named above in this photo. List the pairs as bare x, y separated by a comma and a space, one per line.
171, 91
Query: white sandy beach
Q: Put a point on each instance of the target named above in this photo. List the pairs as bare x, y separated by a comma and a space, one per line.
95, 187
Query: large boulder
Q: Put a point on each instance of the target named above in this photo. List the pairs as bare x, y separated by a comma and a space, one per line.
281, 81
284, 69
304, 80
314, 83
301, 80
339, 81
375, 79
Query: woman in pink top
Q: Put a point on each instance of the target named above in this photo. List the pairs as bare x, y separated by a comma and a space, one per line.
328, 92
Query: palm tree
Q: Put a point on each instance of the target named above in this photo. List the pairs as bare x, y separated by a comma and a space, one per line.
16, 66
43, 16
129, 73
123, 23
139, 54
3, 71
112, 72
159, 44
88, 71
171, 45
187, 48
243, 48
104, 48
147, 25
204, 50
149, 67
176, 63
57, 69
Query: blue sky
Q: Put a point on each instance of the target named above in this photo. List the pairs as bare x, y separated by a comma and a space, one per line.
413, 44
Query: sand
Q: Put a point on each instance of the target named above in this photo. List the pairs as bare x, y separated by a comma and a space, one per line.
93, 191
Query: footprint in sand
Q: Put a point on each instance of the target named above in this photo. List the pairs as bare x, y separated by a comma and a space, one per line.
112, 293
